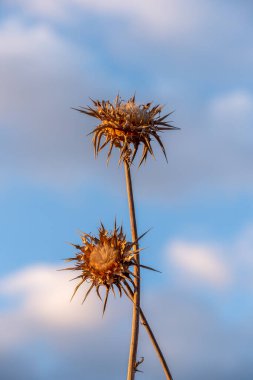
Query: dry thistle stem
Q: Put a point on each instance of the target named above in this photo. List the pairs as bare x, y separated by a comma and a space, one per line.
127, 126
105, 260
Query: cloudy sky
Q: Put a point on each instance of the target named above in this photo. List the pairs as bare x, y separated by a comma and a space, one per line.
196, 58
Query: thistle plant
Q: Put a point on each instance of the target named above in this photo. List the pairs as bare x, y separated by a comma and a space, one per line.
127, 126
109, 260
106, 260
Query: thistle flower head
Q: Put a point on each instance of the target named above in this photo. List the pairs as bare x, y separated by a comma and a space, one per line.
127, 126
105, 260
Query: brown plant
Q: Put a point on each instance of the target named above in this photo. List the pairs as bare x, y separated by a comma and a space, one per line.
106, 261
127, 126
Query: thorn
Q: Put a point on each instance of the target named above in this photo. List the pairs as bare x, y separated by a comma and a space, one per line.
138, 363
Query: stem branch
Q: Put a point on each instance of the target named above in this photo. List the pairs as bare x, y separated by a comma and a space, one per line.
152, 338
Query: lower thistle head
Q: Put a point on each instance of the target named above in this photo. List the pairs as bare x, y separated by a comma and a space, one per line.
106, 260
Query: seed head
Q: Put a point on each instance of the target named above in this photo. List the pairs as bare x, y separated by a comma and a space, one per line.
127, 126
105, 260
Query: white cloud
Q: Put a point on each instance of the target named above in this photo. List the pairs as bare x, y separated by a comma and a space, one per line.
244, 244
45, 295
41, 296
47, 8
233, 114
155, 18
212, 154
243, 260
227, 266
199, 262
42, 76
162, 18
36, 61
187, 22
233, 105
47, 334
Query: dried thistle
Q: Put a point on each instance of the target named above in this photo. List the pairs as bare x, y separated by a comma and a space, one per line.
127, 126
105, 260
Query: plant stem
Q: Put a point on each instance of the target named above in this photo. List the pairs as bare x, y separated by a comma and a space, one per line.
152, 338
136, 294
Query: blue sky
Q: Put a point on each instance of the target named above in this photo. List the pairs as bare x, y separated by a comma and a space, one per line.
196, 58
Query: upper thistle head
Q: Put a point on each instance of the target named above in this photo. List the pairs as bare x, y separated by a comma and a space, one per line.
127, 126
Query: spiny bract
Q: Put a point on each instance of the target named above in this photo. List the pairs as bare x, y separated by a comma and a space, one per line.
127, 125
105, 260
